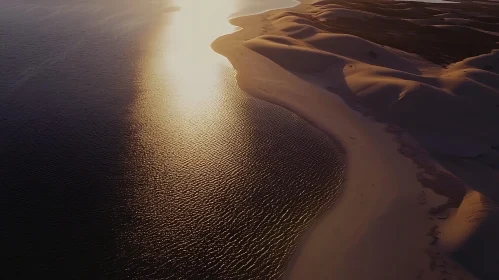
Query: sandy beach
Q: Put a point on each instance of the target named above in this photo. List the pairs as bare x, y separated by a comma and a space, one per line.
414, 106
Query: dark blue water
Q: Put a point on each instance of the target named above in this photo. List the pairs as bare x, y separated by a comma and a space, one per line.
101, 177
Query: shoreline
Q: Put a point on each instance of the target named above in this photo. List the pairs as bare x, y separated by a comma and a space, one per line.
391, 179
322, 243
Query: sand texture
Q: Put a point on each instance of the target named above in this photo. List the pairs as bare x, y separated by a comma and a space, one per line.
411, 92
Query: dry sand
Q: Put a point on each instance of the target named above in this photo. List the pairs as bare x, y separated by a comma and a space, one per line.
402, 103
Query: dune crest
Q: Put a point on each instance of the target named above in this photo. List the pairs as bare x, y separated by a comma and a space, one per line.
471, 235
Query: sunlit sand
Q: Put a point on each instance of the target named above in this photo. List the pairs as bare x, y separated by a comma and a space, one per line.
381, 228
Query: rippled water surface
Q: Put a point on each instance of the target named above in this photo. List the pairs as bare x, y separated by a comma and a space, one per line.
128, 151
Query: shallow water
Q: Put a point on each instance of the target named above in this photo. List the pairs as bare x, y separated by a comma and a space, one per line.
128, 151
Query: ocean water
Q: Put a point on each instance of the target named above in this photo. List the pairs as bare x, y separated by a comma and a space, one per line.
127, 150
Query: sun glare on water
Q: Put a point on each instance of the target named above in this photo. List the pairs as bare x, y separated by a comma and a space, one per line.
183, 82
182, 60
184, 85
191, 67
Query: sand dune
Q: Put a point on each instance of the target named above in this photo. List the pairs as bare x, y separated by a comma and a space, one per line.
337, 13
304, 59
392, 86
396, 63
471, 234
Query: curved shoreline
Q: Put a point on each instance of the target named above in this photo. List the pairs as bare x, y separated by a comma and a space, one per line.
162, 167
386, 219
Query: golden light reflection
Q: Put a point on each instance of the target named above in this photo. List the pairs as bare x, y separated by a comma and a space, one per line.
184, 82
186, 87
183, 61
192, 68
193, 128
